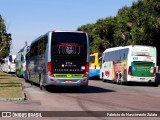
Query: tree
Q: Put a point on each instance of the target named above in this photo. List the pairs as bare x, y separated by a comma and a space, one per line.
5, 40
138, 24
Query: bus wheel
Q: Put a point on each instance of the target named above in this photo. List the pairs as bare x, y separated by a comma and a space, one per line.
41, 87
41, 82
17, 73
31, 82
118, 80
103, 78
155, 84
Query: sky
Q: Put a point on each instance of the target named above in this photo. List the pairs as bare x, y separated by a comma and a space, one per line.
28, 19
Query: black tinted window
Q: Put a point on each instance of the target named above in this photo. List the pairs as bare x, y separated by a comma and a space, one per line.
69, 38
69, 43
91, 59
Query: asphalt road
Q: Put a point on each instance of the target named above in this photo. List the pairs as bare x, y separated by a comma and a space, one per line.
98, 96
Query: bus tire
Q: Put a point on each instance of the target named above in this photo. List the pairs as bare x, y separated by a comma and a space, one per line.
157, 80
41, 82
41, 87
103, 78
17, 73
155, 84
118, 80
31, 83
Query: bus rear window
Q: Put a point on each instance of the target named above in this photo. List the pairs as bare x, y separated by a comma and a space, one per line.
69, 43
59, 38
144, 52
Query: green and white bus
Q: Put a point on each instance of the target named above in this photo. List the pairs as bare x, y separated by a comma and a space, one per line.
60, 58
21, 61
18, 62
134, 63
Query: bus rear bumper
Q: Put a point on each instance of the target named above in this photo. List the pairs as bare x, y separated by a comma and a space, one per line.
141, 79
68, 82
12, 70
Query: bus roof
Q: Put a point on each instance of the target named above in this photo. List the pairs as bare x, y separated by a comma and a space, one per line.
56, 31
66, 31
122, 47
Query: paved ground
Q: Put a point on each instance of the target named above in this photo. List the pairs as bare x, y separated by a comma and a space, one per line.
98, 96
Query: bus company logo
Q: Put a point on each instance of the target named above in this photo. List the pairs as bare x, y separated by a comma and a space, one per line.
135, 58
69, 50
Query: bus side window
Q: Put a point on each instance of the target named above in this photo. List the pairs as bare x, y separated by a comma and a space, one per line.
10, 58
22, 58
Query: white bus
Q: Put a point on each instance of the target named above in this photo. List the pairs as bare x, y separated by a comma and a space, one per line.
129, 63
60, 58
9, 64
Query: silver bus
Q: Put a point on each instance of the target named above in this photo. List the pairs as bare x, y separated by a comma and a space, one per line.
60, 58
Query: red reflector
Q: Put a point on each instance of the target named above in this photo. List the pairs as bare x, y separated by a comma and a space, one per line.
154, 72
84, 32
86, 69
49, 65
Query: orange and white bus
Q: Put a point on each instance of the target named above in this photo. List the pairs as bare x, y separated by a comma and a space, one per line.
129, 64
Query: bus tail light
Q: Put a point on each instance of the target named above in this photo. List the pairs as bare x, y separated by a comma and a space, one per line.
86, 70
130, 71
84, 32
49, 66
154, 72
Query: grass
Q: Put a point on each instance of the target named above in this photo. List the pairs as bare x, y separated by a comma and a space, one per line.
10, 86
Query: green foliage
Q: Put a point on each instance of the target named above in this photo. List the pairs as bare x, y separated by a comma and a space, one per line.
138, 24
5, 40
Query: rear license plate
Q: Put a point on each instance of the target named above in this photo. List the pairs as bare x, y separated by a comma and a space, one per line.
68, 81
